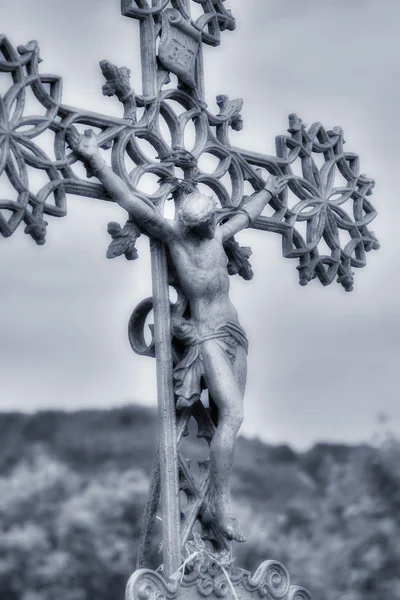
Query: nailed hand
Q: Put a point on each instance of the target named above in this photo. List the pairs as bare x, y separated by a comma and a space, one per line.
84, 145
275, 185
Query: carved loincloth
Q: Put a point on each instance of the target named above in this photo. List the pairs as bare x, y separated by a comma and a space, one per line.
189, 372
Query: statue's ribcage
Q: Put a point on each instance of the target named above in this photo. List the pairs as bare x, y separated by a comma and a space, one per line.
175, 134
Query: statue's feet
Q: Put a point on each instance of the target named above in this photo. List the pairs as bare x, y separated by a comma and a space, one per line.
231, 529
227, 524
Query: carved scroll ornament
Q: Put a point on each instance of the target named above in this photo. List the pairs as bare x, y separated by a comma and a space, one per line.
204, 577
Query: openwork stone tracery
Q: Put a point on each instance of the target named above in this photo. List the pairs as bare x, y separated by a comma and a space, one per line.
321, 203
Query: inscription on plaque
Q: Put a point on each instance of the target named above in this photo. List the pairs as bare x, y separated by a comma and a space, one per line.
179, 45
181, 53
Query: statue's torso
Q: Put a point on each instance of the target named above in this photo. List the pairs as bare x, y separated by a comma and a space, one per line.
201, 266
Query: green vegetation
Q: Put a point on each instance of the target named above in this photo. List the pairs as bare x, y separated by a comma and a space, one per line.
73, 487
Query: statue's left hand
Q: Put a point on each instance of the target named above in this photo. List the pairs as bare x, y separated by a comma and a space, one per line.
275, 185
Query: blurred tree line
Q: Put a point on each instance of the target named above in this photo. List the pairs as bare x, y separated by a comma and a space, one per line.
73, 487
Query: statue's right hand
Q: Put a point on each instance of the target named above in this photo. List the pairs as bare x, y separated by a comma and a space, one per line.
84, 145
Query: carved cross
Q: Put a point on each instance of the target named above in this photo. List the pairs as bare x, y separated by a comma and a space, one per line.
171, 44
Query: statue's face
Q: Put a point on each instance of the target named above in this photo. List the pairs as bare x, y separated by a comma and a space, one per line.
197, 214
205, 229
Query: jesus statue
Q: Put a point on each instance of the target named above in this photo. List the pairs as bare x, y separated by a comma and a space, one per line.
215, 343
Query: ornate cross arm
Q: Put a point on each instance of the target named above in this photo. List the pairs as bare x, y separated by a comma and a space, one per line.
326, 208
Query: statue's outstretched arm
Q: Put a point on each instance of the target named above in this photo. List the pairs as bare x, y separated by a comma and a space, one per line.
86, 147
253, 207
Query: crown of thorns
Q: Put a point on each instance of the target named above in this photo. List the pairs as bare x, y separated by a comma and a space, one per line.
196, 208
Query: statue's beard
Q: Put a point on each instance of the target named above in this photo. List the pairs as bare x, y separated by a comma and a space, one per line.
204, 230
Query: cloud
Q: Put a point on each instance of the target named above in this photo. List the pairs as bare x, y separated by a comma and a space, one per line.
322, 363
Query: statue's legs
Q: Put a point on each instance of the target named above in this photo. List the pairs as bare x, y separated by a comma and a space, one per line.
226, 383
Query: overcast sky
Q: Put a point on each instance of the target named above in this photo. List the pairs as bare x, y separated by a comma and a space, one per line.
323, 364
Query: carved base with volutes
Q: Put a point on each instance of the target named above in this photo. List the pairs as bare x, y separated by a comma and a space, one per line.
206, 577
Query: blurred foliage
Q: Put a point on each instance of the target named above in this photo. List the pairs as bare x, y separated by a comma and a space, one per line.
73, 488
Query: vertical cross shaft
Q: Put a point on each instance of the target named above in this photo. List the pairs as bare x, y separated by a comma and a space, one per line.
168, 455
162, 338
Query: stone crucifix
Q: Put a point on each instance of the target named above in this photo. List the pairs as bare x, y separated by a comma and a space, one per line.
197, 340
216, 344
